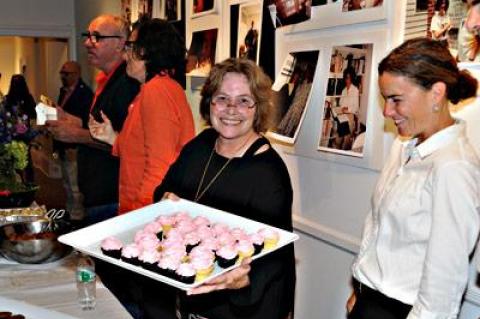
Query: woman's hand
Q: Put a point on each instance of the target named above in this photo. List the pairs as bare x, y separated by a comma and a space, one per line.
102, 131
234, 279
171, 196
351, 302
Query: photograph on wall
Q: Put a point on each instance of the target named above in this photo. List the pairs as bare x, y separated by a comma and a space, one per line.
351, 5
201, 54
201, 7
444, 20
126, 10
145, 8
172, 10
292, 90
249, 28
345, 107
286, 12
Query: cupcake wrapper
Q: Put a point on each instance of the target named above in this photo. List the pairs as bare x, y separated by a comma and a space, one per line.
225, 263
114, 253
149, 266
190, 247
186, 279
134, 261
258, 248
159, 235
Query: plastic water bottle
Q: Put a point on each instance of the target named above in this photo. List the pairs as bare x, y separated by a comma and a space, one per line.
86, 281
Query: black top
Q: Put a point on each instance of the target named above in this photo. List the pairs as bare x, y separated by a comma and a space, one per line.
255, 186
78, 104
97, 169
26, 105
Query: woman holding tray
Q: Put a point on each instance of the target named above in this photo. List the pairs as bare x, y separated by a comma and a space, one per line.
414, 256
232, 167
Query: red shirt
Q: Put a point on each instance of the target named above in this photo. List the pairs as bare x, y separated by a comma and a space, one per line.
158, 124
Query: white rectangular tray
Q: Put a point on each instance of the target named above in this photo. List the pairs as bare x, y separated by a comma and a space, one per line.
124, 227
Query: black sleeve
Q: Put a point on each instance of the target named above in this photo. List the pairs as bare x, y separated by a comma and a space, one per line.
273, 202
123, 95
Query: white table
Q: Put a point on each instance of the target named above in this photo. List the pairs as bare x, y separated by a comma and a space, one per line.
51, 288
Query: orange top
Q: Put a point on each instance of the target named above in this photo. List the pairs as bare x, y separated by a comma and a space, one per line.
158, 124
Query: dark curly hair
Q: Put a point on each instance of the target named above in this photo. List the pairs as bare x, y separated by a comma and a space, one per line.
161, 47
438, 4
426, 62
260, 86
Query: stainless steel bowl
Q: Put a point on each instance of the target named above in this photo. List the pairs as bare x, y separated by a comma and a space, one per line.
32, 242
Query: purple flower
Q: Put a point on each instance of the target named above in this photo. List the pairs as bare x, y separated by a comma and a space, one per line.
21, 128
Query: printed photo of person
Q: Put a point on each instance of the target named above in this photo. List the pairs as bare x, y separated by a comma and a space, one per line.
285, 12
345, 108
200, 6
292, 92
351, 5
201, 55
248, 31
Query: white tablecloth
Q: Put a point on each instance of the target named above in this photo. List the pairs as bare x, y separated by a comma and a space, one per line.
51, 287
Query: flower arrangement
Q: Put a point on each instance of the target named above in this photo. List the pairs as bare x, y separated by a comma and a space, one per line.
15, 135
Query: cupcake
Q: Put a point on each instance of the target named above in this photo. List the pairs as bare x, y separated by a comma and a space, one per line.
201, 221
257, 240
245, 249
185, 273
203, 266
191, 240
201, 252
149, 258
112, 247
226, 256
154, 228
270, 236
130, 254
167, 265
167, 222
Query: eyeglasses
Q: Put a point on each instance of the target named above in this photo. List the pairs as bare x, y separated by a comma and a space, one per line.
65, 73
96, 37
242, 102
130, 45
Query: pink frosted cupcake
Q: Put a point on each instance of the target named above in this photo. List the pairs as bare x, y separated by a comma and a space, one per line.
149, 259
201, 221
238, 234
201, 252
112, 247
226, 256
226, 239
270, 236
181, 216
191, 240
245, 249
154, 228
257, 240
210, 243
149, 243
186, 273
203, 267
130, 254
220, 228
167, 222
167, 265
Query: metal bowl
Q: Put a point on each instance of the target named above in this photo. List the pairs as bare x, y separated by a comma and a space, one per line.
32, 242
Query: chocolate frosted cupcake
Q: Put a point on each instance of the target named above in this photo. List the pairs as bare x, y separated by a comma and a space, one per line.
226, 256
130, 254
112, 247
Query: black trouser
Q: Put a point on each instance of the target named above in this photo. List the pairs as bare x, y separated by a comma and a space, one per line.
371, 304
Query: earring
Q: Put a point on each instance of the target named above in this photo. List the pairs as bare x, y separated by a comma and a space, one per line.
436, 108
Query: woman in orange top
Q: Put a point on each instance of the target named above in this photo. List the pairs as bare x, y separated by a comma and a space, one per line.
159, 121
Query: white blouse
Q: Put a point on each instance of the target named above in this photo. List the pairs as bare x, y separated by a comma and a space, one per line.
424, 224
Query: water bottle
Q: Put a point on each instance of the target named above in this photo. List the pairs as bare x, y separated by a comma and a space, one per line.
86, 278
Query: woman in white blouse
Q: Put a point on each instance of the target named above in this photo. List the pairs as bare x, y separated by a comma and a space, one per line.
424, 222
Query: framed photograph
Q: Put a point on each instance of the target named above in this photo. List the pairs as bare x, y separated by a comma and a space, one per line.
202, 7
249, 30
201, 54
443, 24
344, 121
351, 5
172, 10
145, 8
126, 10
292, 89
286, 12
333, 13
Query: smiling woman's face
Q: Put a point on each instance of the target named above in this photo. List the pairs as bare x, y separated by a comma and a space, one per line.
408, 105
232, 122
